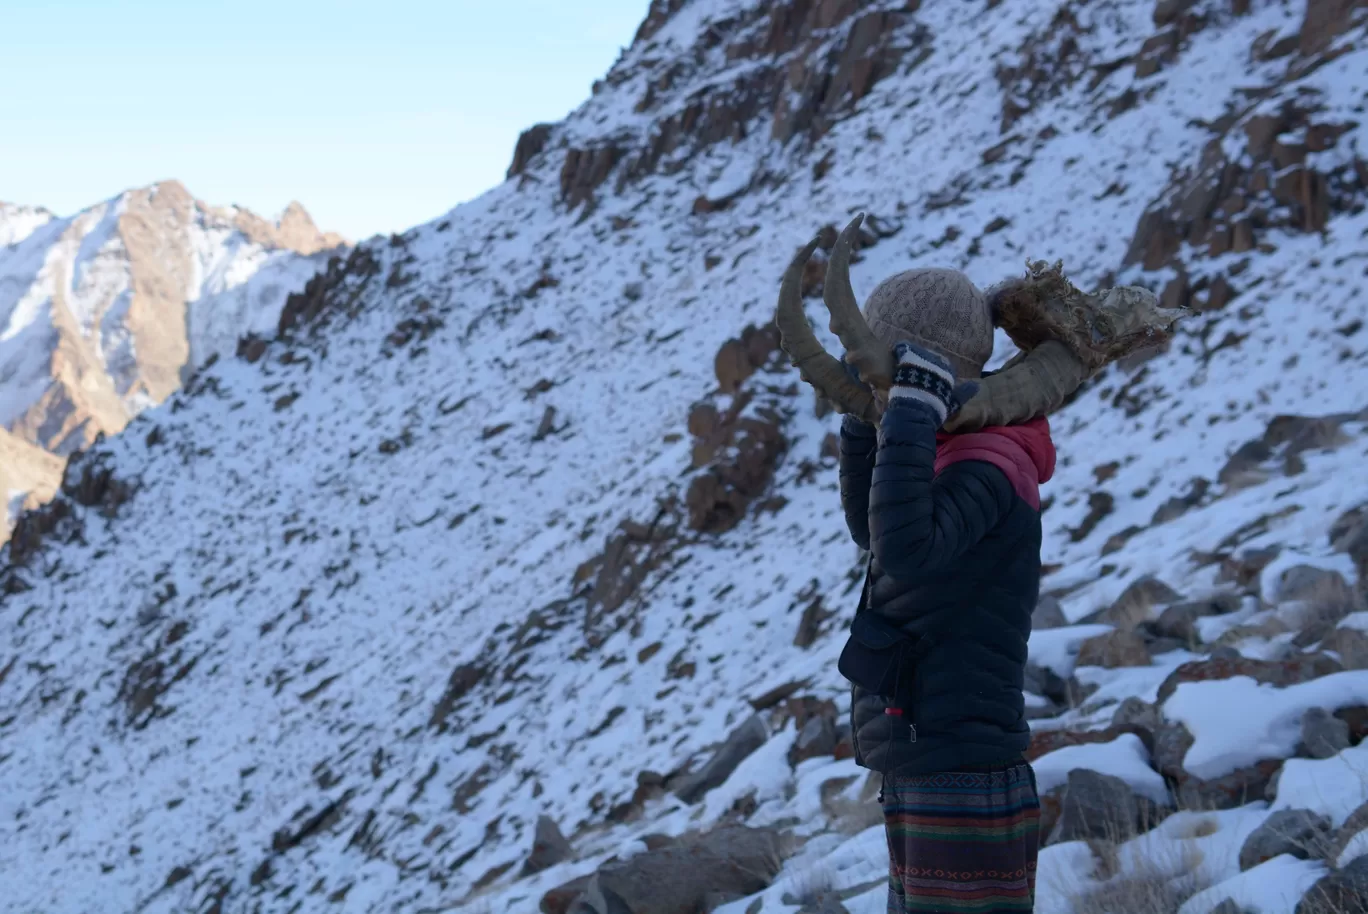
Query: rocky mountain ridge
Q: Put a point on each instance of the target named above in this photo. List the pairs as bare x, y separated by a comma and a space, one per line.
102, 313
509, 575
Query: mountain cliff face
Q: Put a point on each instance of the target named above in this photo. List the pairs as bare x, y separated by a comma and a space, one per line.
523, 514
103, 312
28, 477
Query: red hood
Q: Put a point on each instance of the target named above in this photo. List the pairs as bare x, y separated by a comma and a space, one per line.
1024, 452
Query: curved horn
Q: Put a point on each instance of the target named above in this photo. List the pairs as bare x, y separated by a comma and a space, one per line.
816, 366
871, 358
1031, 386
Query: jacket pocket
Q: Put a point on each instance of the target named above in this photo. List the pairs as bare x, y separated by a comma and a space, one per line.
878, 736
877, 656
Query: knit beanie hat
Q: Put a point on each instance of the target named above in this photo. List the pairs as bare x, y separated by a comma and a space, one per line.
936, 308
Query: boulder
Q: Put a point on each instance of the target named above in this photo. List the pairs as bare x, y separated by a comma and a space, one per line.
1323, 734
1137, 603
1349, 534
1099, 806
1114, 649
1048, 614
816, 739
1138, 716
1229, 791
681, 878
1339, 891
1308, 595
1180, 619
530, 143
732, 365
1325, 20
1160, 646
1356, 716
845, 742
1349, 527
1243, 570
1046, 682
560, 899
1179, 505
1353, 825
742, 741
1171, 743
1167, 11
549, 847
1044, 741
1280, 673
1299, 832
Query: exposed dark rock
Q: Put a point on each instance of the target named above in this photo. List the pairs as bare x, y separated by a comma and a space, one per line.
1324, 21
1243, 570
1280, 673
1099, 806
1180, 620
1356, 822
717, 499
608, 580
464, 678
1351, 644
742, 741
1299, 832
334, 288
816, 739
584, 170
1322, 734
1137, 603
57, 520
810, 623
1046, 741
549, 847
1065, 693
1324, 589
1345, 889
251, 348
1229, 791
732, 861
1048, 614
1171, 743
530, 144
1114, 649
1138, 716
1100, 505
1356, 716
1180, 504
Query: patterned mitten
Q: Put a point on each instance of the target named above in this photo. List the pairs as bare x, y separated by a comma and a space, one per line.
924, 377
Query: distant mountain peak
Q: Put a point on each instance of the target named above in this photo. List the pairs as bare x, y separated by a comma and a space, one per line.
103, 312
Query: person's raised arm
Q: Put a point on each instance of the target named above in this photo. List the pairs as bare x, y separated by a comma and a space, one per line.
917, 521
856, 461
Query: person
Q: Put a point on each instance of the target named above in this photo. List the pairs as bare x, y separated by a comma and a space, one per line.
952, 526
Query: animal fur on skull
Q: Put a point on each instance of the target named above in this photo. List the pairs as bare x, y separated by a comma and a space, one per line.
1066, 335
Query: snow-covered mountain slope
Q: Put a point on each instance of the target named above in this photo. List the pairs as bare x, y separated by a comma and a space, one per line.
101, 313
17, 222
517, 517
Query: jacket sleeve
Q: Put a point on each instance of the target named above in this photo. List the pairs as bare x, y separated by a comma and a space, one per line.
856, 461
919, 522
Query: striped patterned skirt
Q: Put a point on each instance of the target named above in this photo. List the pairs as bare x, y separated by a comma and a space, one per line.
962, 842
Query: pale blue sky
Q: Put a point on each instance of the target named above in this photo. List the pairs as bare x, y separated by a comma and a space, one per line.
375, 115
